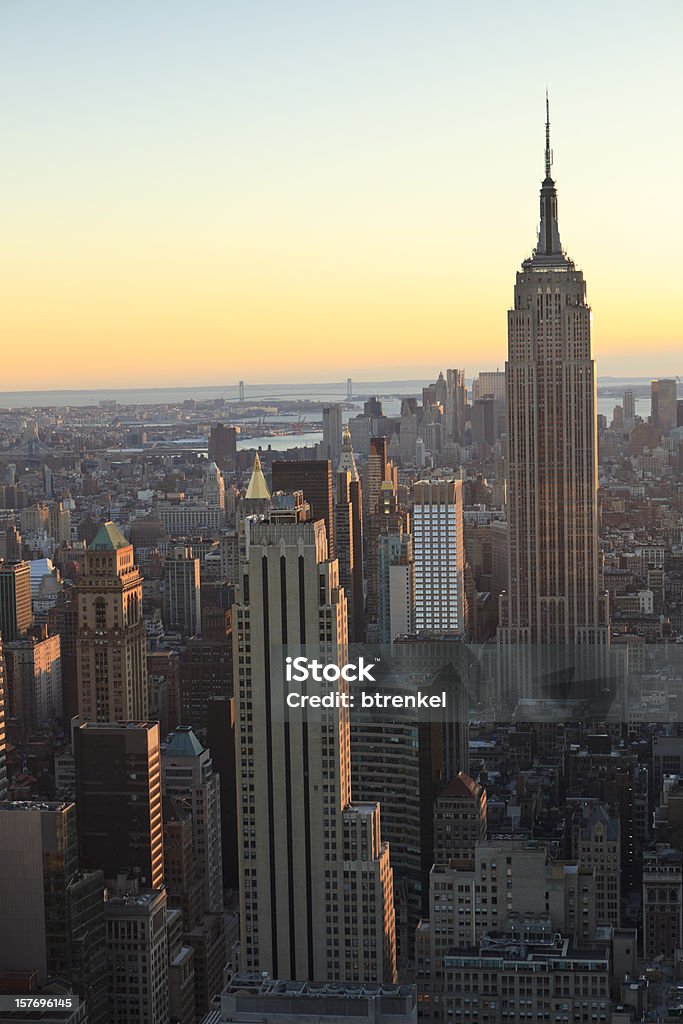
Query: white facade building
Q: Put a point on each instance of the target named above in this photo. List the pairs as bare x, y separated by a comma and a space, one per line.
438, 553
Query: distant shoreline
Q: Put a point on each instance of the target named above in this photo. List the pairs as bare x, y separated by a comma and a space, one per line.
172, 395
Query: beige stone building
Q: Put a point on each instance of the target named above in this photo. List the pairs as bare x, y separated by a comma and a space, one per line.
316, 897
110, 646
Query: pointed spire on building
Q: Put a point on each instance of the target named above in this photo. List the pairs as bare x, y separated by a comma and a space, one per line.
548, 150
347, 460
258, 488
214, 486
549, 248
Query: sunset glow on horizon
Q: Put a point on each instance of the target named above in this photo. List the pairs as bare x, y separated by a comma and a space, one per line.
197, 194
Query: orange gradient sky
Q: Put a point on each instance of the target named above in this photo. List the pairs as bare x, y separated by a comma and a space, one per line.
198, 193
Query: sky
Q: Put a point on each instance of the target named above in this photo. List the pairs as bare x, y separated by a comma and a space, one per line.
197, 193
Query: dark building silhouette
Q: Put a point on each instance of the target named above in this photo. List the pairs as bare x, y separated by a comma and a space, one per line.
118, 798
3, 742
53, 913
221, 743
222, 445
348, 525
205, 672
314, 478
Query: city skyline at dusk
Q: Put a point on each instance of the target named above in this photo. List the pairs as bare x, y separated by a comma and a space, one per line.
341, 549
258, 187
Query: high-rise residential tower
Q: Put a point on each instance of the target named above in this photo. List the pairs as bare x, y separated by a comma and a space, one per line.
110, 645
439, 555
316, 886
554, 580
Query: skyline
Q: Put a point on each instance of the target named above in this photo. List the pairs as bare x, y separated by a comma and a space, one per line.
262, 187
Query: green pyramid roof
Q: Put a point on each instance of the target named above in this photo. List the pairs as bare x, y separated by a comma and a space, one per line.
108, 538
183, 743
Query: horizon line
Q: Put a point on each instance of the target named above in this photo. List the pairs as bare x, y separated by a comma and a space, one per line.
294, 383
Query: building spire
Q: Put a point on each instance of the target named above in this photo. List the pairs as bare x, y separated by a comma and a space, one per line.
548, 150
258, 488
347, 461
549, 248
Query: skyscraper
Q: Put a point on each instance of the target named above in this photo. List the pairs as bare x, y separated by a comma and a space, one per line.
110, 645
118, 798
51, 914
348, 525
629, 409
137, 951
183, 591
3, 741
316, 899
190, 784
222, 444
257, 495
439, 555
663, 398
188, 775
214, 486
15, 599
34, 679
489, 382
332, 432
396, 581
314, 478
554, 584
456, 400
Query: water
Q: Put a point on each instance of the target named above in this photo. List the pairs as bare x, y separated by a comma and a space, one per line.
281, 443
606, 405
334, 391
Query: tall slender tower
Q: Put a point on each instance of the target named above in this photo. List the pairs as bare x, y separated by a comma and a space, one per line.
554, 594
348, 526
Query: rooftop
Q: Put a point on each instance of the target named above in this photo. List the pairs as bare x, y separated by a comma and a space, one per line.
109, 538
461, 786
256, 984
34, 805
183, 743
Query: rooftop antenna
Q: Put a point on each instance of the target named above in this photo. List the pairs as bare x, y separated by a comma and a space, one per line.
548, 150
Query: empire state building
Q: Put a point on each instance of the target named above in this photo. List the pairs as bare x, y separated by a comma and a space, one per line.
554, 575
